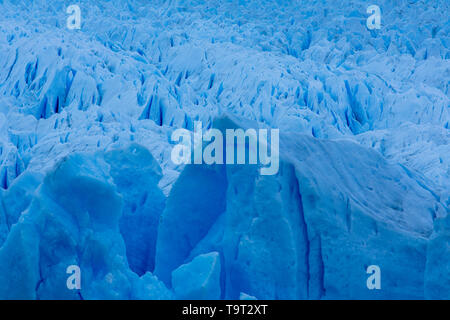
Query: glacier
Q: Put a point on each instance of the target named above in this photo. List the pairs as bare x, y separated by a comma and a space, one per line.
87, 179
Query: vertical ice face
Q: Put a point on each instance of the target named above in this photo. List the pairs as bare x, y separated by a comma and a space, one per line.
136, 175
197, 198
206, 281
76, 218
309, 232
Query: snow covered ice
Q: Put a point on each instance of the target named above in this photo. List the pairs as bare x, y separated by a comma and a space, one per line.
87, 178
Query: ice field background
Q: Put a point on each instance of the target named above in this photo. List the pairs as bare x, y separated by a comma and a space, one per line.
86, 177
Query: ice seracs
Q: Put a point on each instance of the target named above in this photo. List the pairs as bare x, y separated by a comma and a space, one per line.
86, 170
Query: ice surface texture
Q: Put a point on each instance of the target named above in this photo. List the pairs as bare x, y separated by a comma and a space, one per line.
86, 176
